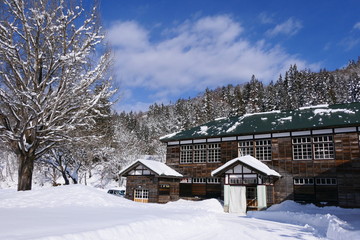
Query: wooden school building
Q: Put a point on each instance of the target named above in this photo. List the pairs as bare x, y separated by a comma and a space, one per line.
309, 154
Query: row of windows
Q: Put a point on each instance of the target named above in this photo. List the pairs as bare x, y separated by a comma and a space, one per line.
200, 153
315, 181
201, 180
243, 180
304, 148
140, 170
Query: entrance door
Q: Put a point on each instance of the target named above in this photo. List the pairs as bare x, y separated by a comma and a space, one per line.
141, 195
251, 197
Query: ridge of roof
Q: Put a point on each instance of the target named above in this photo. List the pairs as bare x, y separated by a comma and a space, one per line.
310, 117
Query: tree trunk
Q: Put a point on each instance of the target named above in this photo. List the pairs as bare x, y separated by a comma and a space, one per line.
26, 167
66, 179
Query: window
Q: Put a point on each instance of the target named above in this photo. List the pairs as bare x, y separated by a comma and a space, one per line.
302, 148
303, 181
186, 180
246, 148
199, 180
140, 170
326, 181
214, 152
323, 147
235, 179
250, 179
260, 149
242, 179
317, 181
263, 149
251, 193
186, 154
200, 153
141, 195
164, 189
213, 180
307, 148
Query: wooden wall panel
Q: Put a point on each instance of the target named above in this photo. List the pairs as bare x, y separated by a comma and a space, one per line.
146, 182
345, 167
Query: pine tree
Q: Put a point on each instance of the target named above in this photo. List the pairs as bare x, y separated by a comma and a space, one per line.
253, 96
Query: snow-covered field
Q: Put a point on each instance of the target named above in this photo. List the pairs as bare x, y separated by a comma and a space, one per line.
79, 212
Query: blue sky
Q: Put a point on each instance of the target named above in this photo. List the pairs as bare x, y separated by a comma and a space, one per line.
166, 50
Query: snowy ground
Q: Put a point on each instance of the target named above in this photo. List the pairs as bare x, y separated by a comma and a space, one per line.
78, 212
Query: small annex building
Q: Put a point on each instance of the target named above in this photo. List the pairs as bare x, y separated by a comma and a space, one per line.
151, 181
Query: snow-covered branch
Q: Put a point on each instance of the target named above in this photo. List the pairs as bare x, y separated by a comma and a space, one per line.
49, 71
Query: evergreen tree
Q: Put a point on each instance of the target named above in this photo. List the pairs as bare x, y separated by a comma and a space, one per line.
253, 96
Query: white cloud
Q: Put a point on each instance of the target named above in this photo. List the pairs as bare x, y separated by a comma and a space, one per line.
208, 52
290, 27
128, 35
265, 18
350, 43
357, 26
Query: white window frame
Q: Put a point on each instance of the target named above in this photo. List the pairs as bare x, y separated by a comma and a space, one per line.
200, 153
214, 153
199, 180
259, 148
304, 181
313, 147
302, 148
323, 147
213, 181
263, 150
186, 154
246, 148
141, 195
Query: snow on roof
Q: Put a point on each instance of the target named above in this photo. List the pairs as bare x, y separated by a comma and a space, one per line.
159, 168
311, 117
203, 130
315, 106
250, 161
322, 111
169, 135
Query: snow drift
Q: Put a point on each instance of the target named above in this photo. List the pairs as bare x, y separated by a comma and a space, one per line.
77, 212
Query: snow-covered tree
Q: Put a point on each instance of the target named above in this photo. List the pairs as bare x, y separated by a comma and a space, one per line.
253, 95
53, 74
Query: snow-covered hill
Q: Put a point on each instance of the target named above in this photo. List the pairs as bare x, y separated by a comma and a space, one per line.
81, 212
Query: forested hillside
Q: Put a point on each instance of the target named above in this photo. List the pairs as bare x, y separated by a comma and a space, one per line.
297, 88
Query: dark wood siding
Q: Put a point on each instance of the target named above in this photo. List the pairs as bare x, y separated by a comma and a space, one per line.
152, 183
348, 169
345, 167
144, 182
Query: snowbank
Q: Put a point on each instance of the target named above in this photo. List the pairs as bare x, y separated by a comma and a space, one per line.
78, 212
330, 222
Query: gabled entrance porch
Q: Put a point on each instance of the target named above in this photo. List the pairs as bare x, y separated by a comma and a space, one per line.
245, 184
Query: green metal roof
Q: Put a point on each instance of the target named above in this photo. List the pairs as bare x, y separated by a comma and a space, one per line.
314, 117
